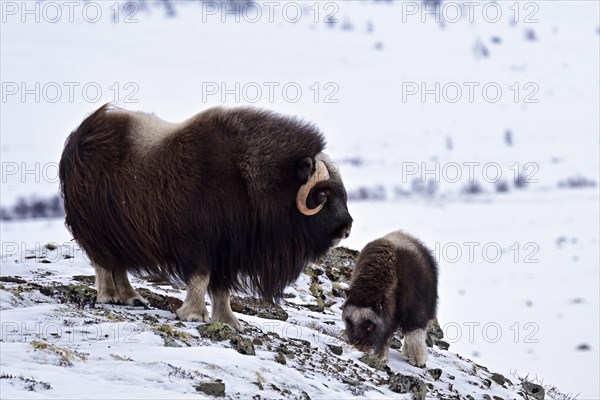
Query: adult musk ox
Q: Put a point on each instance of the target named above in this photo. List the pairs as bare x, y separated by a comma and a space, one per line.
228, 199
393, 286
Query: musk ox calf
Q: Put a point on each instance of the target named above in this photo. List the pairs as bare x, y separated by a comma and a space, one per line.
393, 286
228, 199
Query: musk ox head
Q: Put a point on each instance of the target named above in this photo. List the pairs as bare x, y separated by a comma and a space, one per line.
322, 200
367, 327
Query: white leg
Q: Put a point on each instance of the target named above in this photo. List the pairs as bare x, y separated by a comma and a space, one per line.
193, 308
114, 288
105, 286
221, 309
127, 293
414, 348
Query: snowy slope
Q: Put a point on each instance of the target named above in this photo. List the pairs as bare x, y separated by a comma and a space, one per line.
56, 344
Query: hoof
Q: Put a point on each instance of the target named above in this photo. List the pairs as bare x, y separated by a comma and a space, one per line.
235, 325
140, 303
184, 313
228, 319
112, 300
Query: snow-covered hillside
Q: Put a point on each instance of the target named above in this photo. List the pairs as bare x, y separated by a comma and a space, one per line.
501, 184
56, 344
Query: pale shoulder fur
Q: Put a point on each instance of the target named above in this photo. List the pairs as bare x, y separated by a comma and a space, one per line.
402, 241
148, 131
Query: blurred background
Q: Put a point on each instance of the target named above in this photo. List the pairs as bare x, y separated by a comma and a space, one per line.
472, 125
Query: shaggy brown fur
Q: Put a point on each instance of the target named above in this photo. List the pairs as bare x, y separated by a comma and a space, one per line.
393, 286
214, 198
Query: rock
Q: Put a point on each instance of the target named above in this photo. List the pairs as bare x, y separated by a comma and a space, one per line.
304, 396
88, 279
434, 333
251, 306
296, 342
338, 264
338, 291
442, 344
216, 388
373, 361
243, 346
408, 384
169, 341
533, 390
337, 350
12, 279
395, 342
499, 379
81, 295
280, 358
435, 373
150, 318
584, 347
218, 332
167, 303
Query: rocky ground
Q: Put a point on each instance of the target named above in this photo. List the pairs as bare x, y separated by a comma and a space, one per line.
54, 338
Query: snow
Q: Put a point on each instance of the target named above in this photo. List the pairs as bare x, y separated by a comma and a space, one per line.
65, 346
380, 135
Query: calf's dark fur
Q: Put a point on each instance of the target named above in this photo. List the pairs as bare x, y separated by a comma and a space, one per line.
393, 286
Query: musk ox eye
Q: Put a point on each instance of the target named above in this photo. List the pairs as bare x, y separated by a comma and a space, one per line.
369, 326
321, 196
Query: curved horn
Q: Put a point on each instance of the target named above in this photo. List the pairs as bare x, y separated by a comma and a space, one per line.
321, 174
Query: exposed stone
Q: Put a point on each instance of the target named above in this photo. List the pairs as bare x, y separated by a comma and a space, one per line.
280, 358
81, 295
252, 306
395, 342
373, 361
408, 384
169, 341
499, 378
584, 347
219, 332
243, 346
435, 373
442, 344
162, 302
533, 390
338, 264
337, 350
12, 279
150, 318
89, 279
216, 388
434, 333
